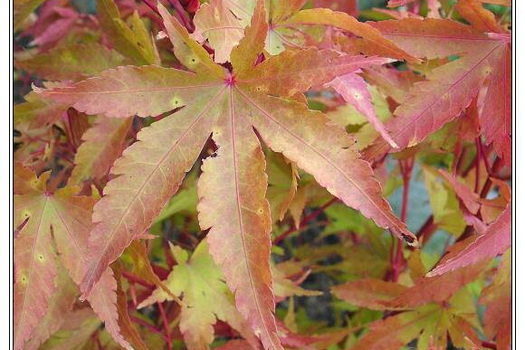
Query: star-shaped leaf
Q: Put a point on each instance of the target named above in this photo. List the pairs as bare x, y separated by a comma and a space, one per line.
237, 108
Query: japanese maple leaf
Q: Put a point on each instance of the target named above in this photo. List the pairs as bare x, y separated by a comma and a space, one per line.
354, 90
450, 88
205, 295
62, 217
234, 107
494, 241
436, 308
498, 299
103, 144
222, 24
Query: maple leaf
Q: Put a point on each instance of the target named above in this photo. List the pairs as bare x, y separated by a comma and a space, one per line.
133, 41
437, 288
354, 90
451, 87
60, 304
369, 293
282, 184
498, 300
77, 329
233, 183
445, 206
470, 199
436, 308
494, 241
63, 218
71, 62
37, 112
103, 144
222, 24
432, 323
205, 295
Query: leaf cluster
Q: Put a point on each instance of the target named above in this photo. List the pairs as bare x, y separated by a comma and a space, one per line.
262, 174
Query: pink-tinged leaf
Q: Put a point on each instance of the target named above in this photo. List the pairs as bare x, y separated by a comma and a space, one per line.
236, 344
145, 91
437, 288
206, 298
469, 198
35, 267
71, 62
368, 293
450, 88
244, 56
478, 16
391, 82
433, 325
497, 298
354, 90
60, 304
221, 27
292, 72
340, 20
233, 183
496, 240
431, 104
67, 217
37, 112
151, 171
59, 28
241, 244
103, 144
103, 301
448, 37
496, 116
300, 134
71, 237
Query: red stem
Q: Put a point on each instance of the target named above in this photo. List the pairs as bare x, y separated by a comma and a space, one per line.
489, 345
152, 6
426, 229
132, 278
305, 221
397, 262
183, 15
166, 325
478, 158
481, 149
146, 324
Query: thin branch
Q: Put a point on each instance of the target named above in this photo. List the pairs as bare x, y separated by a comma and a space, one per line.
183, 15
397, 262
132, 278
152, 6
166, 325
147, 325
489, 345
478, 161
